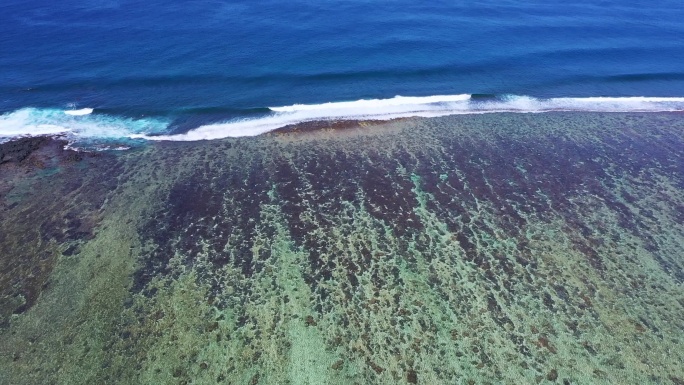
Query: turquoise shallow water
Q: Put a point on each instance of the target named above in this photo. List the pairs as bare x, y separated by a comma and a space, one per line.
498, 248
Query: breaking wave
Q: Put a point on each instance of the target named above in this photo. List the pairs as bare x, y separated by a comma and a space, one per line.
87, 125
428, 106
74, 125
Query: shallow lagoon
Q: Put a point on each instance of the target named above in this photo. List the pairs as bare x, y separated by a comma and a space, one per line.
498, 248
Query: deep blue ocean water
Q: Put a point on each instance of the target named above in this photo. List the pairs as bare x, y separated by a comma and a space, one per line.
168, 67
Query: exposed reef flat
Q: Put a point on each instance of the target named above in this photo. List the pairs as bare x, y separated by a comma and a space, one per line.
473, 249
331, 125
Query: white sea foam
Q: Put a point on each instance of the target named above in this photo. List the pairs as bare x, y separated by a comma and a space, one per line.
370, 106
83, 124
79, 112
429, 106
27, 122
37, 121
375, 109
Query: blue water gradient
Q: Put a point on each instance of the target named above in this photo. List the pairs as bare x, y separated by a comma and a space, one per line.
215, 60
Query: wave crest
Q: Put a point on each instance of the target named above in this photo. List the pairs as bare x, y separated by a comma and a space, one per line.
428, 106
79, 125
75, 125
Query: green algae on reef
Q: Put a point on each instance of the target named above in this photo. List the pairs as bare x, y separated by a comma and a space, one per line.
500, 248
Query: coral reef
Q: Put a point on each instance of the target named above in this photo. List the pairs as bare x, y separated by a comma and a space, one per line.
476, 249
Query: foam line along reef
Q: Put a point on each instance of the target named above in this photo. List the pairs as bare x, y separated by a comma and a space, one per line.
74, 125
428, 106
78, 125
